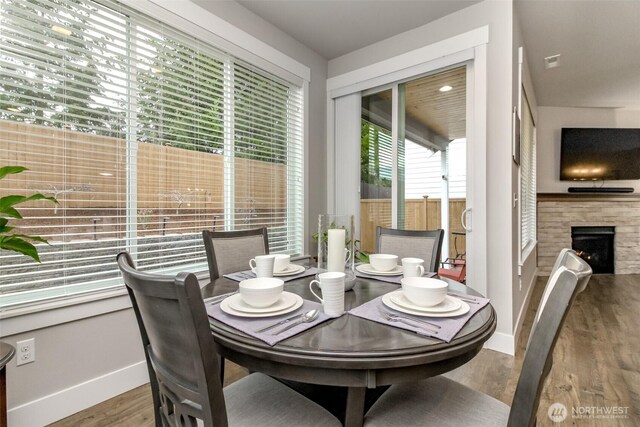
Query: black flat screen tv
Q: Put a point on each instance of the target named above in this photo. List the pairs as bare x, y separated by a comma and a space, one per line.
593, 154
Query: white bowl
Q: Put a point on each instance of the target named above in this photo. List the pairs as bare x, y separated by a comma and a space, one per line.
261, 292
383, 262
424, 291
281, 262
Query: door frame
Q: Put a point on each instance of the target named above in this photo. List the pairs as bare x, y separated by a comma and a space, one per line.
470, 48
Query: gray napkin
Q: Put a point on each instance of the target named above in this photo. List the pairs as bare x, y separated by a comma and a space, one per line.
449, 326
390, 279
249, 325
248, 274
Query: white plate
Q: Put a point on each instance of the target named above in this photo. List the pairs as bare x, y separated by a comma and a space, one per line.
367, 269
224, 306
387, 300
290, 270
285, 301
449, 304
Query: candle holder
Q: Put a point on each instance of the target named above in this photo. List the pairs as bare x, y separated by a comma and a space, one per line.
328, 222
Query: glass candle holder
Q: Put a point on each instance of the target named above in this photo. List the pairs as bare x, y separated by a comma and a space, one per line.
336, 245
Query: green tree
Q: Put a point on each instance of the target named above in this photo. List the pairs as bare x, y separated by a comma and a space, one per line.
52, 70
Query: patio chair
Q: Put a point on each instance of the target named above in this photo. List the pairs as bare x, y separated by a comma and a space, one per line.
230, 251
425, 244
457, 272
444, 402
183, 367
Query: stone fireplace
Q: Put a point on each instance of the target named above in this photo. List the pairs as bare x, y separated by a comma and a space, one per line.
598, 217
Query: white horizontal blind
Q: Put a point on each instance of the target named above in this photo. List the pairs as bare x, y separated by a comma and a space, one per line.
145, 135
528, 176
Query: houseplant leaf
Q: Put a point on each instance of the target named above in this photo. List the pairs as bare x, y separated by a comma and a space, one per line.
7, 170
16, 244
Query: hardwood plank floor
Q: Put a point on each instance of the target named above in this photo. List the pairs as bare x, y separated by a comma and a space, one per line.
596, 363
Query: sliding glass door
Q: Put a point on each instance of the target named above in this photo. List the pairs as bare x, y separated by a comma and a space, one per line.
413, 158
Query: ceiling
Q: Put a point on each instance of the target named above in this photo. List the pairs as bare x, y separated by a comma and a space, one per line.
333, 28
599, 44
599, 40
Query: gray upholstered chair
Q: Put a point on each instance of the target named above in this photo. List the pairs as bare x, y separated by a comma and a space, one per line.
425, 244
183, 367
230, 251
444, 402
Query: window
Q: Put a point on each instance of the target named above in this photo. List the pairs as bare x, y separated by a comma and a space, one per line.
527, 177
146, 135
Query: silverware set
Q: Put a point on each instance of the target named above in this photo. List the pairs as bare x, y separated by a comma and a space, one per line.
411, 321
307, 317
219, 298
465, 298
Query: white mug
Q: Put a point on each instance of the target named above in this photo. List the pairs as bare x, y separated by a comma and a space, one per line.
262, 265
281, 262
332, 285
412, 267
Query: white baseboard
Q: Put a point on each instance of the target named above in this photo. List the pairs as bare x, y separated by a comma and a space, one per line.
525, 305
504, 343
81, 396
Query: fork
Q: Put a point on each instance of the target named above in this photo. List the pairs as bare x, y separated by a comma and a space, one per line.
390, 317
219, 298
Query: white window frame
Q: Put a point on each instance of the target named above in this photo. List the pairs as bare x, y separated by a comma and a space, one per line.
200, 23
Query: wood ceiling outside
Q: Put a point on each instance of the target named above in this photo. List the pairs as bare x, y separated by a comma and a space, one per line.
442, 112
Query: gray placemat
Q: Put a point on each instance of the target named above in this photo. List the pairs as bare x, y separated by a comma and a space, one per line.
248, 274
390, 279
249, 325
448, 326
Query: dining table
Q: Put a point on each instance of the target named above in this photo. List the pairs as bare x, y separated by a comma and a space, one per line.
351, 352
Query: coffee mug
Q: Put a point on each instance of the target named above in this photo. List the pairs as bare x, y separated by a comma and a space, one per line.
281, 262
262, 265
332, 285
412, 267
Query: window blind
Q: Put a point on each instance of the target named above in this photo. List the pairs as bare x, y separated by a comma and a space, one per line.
527, 177
146, 135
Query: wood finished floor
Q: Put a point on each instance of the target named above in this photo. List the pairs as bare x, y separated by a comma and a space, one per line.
596, 363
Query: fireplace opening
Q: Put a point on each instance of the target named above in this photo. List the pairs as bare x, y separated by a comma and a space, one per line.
595, 246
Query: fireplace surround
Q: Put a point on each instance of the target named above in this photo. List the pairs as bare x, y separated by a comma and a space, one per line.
558, 213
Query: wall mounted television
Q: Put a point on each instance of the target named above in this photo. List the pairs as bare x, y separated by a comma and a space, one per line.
593, 154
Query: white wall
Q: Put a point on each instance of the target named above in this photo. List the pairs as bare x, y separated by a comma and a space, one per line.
82, 362
498, 16
550, 122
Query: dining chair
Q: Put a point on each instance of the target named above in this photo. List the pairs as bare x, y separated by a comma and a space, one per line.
425, 244
444, 402
230, 251
183, 368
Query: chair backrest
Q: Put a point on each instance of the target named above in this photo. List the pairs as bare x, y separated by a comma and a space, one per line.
230, 251
425, 244
570, 277
179, 348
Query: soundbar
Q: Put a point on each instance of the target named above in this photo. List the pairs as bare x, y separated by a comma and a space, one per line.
600, 189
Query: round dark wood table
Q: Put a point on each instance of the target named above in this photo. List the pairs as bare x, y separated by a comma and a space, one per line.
352, 352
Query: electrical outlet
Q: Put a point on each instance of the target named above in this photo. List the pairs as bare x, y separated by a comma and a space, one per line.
26, 351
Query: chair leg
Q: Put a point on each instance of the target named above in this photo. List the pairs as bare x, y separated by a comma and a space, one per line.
221, 361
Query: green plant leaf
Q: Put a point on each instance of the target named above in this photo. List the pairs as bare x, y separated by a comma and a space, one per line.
5, 228
10, 212
34, 238
8, 170
16, 244
13, 200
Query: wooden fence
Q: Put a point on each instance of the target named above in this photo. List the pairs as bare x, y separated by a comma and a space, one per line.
420, 214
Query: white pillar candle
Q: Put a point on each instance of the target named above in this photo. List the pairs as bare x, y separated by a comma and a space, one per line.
335, 257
